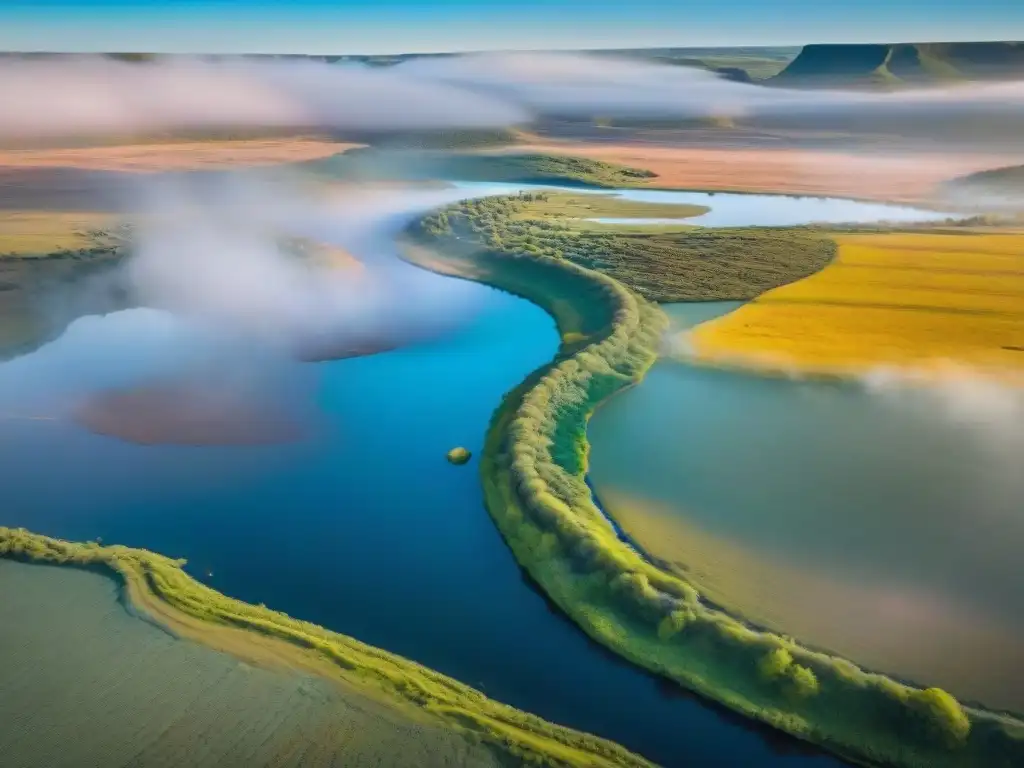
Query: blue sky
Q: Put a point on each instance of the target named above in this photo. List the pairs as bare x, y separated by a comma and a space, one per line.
393, 26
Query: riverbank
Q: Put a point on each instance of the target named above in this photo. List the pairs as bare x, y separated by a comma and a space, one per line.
159, 589
534, 472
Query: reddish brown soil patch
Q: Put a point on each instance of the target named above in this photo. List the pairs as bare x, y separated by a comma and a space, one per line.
184, 413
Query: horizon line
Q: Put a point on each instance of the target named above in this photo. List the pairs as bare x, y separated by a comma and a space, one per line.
454, 52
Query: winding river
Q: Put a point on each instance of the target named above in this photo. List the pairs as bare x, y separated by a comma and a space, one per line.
362, 526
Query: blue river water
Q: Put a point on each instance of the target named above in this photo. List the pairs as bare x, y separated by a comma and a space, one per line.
366, 529
362, 526
728, 209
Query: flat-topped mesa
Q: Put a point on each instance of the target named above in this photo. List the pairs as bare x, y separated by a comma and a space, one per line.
903, 63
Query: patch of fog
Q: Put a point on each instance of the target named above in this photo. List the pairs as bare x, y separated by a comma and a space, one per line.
96, 95
987, 418
93, 95
210, 249
587, 84
148, 375
228, 310
980, 404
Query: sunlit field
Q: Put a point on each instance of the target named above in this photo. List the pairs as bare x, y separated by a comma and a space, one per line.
922, 301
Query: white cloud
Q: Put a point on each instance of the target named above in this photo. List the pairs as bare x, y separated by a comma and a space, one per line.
93, 95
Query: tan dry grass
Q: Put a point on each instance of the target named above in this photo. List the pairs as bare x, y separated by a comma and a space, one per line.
788, 171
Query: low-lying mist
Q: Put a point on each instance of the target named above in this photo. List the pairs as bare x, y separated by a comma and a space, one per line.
214, 248
242, 276
585, 85
978, 403
92, 95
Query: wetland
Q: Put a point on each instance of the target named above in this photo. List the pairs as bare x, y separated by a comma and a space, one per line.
461, 605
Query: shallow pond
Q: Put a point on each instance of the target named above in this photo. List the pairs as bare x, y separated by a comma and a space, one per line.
363, 527
876, 520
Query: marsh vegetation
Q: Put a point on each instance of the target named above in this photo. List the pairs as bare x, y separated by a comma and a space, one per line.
667, 264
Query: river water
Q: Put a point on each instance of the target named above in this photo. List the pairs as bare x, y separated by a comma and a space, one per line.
362, 526
877, 520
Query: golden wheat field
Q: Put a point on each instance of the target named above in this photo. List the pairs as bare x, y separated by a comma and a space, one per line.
925, 302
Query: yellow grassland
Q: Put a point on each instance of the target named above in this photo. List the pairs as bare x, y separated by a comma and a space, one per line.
40, 233
924, 302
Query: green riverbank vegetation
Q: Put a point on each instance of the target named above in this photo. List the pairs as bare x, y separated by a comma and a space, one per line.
533, 468
674, 263
159, 588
